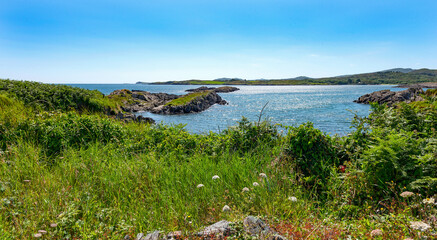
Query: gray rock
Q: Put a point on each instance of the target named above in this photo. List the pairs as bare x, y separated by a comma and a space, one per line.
390, 98
155, 235
257, 228
217, 229
139, 236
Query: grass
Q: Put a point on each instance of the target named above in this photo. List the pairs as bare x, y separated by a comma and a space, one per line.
186, 99
83, 175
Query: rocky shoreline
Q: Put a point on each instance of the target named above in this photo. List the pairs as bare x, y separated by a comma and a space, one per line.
419, 85
197, 100
388, 97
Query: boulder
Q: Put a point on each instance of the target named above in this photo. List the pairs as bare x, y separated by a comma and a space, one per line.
388, 97
257, 228
217, 230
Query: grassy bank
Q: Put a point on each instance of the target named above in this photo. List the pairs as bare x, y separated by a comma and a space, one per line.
84, 175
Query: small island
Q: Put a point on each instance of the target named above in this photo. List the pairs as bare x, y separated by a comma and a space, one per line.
197, 100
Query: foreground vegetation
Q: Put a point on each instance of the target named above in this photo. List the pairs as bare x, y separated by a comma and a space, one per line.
83, 175
384, 77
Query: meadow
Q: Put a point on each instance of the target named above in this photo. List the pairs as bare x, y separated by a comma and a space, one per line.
70, 169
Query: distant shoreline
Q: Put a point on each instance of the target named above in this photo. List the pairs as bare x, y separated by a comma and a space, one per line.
376, 78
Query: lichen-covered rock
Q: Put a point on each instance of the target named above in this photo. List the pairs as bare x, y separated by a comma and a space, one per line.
390, 98
217, 230
257, 228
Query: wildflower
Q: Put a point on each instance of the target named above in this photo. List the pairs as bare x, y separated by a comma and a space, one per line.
406, 194
37, 235
263, 175
293, 199
42, 231
255, 184
408, 239
342, 168
53, 225
226, 208
376, 232
200, 186
246, 189
215, 177
429, 201
421, 226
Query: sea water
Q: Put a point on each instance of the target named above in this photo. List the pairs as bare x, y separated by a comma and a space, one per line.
330, 108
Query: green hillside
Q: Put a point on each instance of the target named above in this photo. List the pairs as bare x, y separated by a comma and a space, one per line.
383, 77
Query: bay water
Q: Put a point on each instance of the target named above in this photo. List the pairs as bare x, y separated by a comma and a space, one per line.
330, 108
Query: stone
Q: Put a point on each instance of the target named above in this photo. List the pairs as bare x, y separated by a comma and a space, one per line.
217, 229
257, 228
388, 97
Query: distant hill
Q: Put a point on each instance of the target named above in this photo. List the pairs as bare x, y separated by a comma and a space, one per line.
402, 70
391, 76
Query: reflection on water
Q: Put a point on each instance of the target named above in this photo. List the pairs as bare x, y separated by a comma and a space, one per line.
330, 108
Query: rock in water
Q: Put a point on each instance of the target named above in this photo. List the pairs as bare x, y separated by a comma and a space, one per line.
197, 104
390, 98
225, 89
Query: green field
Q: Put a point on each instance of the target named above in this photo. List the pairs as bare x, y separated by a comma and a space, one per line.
77, 173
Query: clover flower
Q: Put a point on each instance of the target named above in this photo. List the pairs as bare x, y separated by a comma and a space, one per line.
376, 232
226, 208
246, 189
215, 177
263, 175
421, 226
406, 194
293, 199
200, 186
255, 184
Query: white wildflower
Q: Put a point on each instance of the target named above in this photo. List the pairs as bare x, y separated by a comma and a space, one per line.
293, 199
429, 200
246, 189
421, 226
37, 235
200, 186
406, 194
376, 232
263, 175
226, 208
255, 184
215, 177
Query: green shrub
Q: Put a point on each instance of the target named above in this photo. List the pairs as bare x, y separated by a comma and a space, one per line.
248, 135
313, 153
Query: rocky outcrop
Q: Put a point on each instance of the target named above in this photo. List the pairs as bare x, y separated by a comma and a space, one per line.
197, 104
161, 103
253, 228
225, 89
388, 97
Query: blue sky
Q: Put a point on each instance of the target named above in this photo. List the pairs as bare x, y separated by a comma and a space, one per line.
127, 41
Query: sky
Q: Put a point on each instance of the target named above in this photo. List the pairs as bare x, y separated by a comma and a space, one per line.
127, 41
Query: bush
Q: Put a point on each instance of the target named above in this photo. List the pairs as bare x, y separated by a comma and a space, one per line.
313, 153
249, 135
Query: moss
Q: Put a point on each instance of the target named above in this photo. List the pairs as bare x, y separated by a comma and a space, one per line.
187, 98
